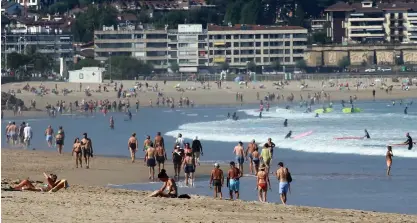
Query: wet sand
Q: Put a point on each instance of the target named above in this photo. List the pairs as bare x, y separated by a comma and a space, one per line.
89, 200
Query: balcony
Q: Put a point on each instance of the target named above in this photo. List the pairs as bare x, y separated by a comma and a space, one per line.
219, 44
219, 59
379, 27
365, 19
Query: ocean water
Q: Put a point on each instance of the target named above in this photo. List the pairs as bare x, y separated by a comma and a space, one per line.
327, 172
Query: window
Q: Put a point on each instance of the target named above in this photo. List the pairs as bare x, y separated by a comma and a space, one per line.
266, 36
257, 36
266, 43
235, 52
258, 44
266, 51
235, 44
258, 52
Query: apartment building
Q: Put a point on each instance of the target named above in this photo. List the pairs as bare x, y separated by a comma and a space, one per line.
192, 47
48, 37
373, 22
239, 44
186, 45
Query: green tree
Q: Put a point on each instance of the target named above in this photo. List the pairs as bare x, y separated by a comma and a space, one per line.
232, 14
87, 62
251, 66
276, 65
224, 66
251, 12
126, 67
302, 64
344, 62
320, 37
92, 19
298, 17
16, 60
174, 67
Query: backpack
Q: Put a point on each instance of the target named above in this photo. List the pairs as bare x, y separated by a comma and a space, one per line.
289, 177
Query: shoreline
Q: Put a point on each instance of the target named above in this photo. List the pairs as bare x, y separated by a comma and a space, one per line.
84, 200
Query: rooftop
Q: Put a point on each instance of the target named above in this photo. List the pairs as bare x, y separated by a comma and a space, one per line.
376, 7
212, 27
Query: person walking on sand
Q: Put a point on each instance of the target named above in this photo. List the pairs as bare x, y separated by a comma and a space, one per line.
284, 178
240, 156
132, 145
266, 156
248, 153
12, 132
49, 132
27, 134
217, 180
262, 183
77, 152
197, 150
87, 149
159, 140
150, 161
161, 156
388, 158
180, 140
189, 168
256, 160
177, 160
233, 177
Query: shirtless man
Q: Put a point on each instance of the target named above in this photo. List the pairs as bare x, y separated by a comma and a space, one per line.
188, 164
262, 183
256, 160
159, 140
6, 130
248, 153
49, 132
132, 145
217, 180
150, 161
240, 156
12, 131
87, 149
272, 146
233, 178
161, 156
284, 182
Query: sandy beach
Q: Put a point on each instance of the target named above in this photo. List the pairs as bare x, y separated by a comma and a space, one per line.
212, 95
89, 200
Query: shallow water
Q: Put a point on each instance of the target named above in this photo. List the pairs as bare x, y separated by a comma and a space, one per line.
326, 172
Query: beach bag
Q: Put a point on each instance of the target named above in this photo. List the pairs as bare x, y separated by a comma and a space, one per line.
184, 196
289, 177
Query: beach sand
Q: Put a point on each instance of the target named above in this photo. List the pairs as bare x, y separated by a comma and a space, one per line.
89, 200
213, 96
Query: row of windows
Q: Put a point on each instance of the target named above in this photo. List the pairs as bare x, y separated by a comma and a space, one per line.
201, 38
259, 59
257, 52
258, 36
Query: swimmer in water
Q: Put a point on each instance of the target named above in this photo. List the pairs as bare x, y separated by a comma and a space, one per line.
129, 114
286, 123
367, 134
111, 122
409, 141
352, 109
405, 110
288, 136
317, 115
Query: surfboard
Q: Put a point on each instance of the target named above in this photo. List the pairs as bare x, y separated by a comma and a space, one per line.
302, 135
398, 144
349, 110
348, 137
320, 110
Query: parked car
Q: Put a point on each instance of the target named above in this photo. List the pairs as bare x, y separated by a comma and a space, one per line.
385, 69
370, 70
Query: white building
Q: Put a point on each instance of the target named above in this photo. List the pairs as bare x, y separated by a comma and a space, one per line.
86, 75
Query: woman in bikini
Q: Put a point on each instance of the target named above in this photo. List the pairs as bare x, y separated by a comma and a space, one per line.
388, 158
169, 185
59, 140
189, 168
76, 151
161, 156
177, 160
51, 182
263, 183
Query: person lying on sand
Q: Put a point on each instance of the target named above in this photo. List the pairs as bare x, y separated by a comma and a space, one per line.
169, 185
51, 185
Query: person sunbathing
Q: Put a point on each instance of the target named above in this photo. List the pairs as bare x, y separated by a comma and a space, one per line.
51, 185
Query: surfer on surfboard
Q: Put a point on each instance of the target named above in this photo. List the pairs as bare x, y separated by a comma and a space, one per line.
288, 136
367, 135
409, 141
